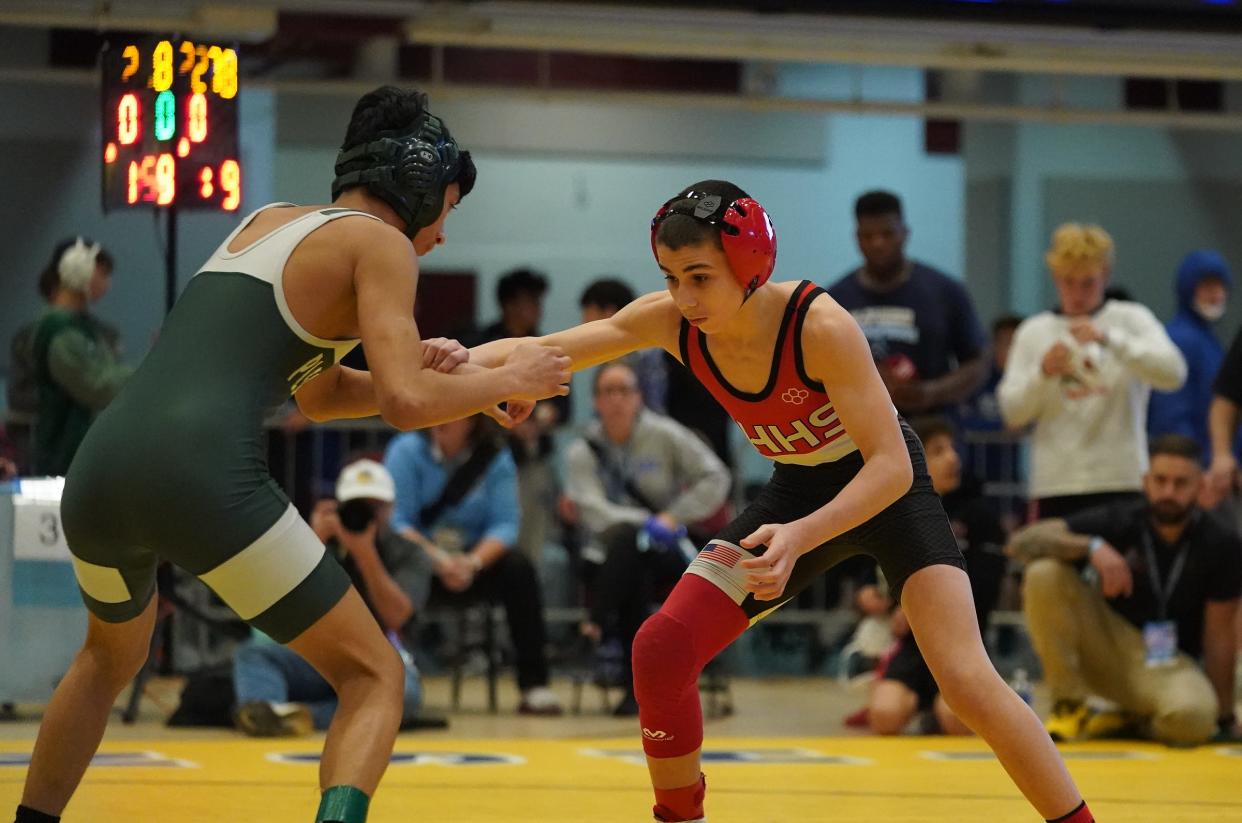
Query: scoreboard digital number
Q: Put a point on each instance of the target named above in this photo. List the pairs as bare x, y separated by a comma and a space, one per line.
170, 125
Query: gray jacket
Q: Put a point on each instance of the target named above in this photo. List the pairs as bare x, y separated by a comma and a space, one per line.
670, 465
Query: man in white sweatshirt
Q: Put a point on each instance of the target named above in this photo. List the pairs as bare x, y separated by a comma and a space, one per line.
1081, 376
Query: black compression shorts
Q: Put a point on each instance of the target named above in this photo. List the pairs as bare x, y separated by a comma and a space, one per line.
909, 535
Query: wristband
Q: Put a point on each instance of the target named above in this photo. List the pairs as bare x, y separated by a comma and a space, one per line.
1094, 545
476, 562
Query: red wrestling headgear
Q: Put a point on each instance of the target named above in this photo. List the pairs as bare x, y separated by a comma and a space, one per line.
746, 232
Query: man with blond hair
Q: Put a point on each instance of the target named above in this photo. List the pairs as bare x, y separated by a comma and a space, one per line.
1081, 376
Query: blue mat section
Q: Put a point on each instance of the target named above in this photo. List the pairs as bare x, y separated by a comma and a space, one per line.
39, 583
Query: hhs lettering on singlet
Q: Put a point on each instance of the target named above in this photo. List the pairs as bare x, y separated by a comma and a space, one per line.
305, 372
820, 427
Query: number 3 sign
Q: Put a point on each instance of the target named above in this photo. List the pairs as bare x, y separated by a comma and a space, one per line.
37, 533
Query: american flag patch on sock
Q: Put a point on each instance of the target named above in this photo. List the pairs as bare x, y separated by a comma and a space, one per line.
721, 554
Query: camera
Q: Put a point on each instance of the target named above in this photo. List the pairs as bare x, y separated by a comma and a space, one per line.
357, 515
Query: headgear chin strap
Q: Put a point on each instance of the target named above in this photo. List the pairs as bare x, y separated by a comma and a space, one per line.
746, 232
76, 266
409, 170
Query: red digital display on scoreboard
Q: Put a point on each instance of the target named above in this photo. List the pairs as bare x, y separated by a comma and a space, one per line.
170, 125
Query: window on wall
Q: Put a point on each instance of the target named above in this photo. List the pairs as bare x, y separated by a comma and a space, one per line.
569, 70
1163, 94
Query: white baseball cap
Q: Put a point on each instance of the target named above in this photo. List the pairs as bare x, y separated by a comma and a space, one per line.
365, 479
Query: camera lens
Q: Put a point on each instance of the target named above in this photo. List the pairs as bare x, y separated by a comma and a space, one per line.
356, 515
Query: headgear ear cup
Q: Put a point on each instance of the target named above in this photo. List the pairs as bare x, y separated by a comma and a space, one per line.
752, 248
408, 170
746, 233
77, 265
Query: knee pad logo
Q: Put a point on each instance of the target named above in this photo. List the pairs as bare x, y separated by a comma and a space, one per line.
657, 735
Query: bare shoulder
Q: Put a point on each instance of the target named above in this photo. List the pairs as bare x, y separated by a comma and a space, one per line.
364, 230
372, 243
826, 319
832, 342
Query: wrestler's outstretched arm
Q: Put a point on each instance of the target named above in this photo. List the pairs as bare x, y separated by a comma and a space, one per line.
651, 321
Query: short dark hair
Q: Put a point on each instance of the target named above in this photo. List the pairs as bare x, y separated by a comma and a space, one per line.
608, 293
387, 109
1175, 445
877, 203
933, 425
49, 278
519, 282
679, 230
622, 363
390, 109
1006, 322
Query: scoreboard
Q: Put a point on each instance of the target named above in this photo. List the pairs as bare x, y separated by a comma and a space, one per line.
170, 125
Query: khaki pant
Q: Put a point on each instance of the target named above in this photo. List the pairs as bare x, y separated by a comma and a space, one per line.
1087, 648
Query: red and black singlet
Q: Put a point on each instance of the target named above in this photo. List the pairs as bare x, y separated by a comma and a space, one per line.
791, 419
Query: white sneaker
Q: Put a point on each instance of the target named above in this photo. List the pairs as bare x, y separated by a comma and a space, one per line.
540, 701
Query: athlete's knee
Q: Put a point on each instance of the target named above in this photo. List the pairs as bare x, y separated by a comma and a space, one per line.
375, 672
969, 685
117, 663
118, 651
664, 656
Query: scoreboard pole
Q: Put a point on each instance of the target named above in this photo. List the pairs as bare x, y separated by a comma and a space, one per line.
170, 257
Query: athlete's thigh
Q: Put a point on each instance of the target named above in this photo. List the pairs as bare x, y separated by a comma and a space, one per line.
282, 582
720, 560
911, 534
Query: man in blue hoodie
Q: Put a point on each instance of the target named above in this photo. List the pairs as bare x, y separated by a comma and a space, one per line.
1203, 284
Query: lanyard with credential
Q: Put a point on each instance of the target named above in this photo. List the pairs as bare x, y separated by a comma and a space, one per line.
1175, 572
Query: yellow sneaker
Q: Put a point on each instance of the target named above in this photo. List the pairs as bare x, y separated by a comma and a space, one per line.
1068, 720
1105, 724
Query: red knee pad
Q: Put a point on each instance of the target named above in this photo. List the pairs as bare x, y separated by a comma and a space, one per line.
696, 622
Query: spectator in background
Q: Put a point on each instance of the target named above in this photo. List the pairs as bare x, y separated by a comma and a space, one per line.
666, 387
23, 384
278, 692
1203, 284
1223, 419
457, 498
991, 455
601, 300
8, 457
520, 294
74, 357
1169, 584
1081, 375
905, 685
640, 480
920, 322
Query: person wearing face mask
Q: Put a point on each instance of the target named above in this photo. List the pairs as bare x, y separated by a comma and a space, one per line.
74, 357
1080, 376
1203, 285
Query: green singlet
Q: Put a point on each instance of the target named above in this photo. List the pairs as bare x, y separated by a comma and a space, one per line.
175, 468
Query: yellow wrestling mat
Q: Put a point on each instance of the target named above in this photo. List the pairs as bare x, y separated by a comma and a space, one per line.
750, 780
